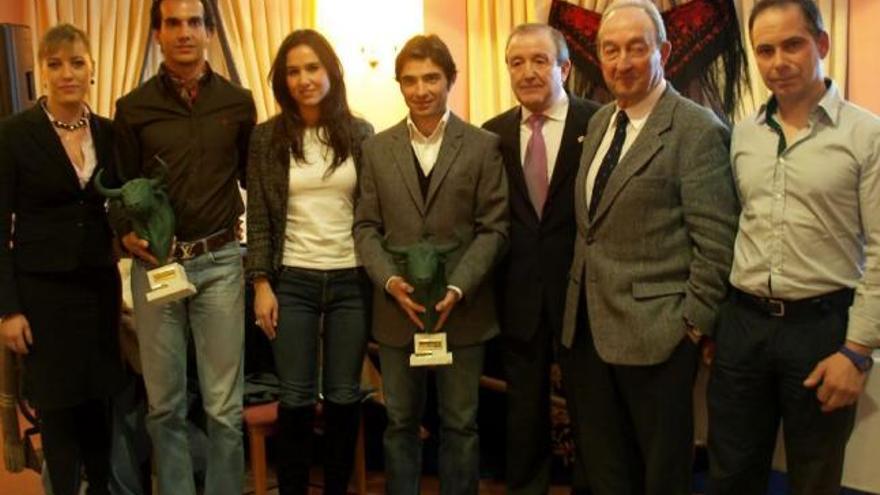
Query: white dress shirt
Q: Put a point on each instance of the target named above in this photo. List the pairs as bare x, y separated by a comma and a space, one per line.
554, 125
86, 147
638, 114
427, 148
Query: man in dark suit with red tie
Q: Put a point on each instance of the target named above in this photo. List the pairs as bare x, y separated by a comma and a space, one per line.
541, 146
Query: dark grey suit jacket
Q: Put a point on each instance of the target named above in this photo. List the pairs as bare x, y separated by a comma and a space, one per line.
466, 203
659, 248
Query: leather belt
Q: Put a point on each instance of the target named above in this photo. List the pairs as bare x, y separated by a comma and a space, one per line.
780, 308
186, 250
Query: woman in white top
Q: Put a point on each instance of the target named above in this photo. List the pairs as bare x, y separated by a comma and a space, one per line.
302, 177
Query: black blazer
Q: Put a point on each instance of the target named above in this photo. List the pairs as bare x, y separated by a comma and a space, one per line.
58, 226
533, 277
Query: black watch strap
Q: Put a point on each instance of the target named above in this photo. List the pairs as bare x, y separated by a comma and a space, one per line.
860, 361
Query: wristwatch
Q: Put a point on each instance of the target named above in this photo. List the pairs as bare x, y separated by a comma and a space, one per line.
860, 361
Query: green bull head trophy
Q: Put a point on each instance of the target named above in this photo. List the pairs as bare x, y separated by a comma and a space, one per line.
145, 202
424, 266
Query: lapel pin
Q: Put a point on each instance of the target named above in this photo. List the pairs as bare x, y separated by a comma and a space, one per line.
580, 139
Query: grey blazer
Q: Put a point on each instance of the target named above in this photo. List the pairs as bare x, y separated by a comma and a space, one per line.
466, 203
268, 188
659, 248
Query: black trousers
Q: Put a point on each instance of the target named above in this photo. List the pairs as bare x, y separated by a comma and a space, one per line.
756, 381
76, 438
633, 425
527, 371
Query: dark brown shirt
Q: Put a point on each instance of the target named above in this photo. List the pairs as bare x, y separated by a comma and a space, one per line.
204, 145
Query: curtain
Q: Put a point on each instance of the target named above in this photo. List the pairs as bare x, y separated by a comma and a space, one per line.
255, 29
489, 23
118, 32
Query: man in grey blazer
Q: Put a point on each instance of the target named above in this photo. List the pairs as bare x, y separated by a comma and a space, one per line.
434, 177
656, 215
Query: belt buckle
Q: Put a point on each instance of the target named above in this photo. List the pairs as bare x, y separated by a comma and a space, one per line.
186, 250
776, 307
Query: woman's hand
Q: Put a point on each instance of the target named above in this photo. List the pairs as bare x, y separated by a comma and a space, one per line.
265, 307
16, 333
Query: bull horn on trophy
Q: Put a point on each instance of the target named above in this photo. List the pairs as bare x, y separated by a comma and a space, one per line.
145, 203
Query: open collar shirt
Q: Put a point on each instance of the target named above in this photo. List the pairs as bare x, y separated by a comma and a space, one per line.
810, 220
427, 148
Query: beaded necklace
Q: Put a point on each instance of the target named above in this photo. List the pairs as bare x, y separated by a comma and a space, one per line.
70, 127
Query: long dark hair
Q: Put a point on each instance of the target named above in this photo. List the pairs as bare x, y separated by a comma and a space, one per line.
335, 124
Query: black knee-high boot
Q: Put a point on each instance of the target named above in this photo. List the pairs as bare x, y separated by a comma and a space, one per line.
340, 435
294, 449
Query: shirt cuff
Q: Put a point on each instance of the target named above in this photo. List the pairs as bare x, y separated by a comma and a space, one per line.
863, 329
388, 282
456, 290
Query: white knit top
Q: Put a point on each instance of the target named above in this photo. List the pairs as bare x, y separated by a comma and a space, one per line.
320, 210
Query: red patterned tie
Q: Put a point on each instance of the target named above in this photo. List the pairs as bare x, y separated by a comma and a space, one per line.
535, 166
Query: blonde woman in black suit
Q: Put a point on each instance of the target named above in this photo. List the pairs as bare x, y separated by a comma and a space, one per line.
59, 286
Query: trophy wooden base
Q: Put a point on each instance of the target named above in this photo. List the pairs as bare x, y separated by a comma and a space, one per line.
430, 350
168, 284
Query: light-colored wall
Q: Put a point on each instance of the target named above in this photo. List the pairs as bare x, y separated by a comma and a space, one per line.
864, 63
448, 20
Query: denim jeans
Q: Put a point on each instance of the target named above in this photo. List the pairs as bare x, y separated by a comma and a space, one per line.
457, 399
341, 297
215, 318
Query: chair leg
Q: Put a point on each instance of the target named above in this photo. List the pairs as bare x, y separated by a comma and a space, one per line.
257, 442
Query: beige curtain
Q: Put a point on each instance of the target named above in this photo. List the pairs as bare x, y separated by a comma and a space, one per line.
255, 29
118, 30
489, 23
835, 13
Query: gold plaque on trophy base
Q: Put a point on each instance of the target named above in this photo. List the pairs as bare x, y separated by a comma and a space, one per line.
168, 283
430, 350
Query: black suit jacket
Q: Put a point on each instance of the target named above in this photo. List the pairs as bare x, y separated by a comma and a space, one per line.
533, 276
58, 226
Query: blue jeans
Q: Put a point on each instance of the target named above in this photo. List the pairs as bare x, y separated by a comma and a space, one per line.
341, 297
458, 387
215, 317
